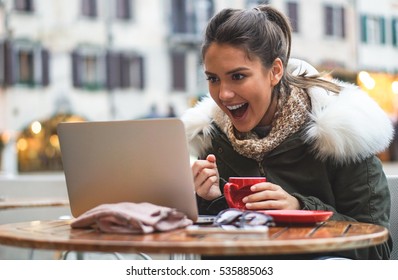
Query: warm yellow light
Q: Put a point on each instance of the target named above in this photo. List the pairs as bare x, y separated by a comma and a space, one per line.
366, 80
22, 144
394, 87
54, 141
36, 127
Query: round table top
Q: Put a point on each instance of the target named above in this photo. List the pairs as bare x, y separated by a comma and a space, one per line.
281, 239
26, 202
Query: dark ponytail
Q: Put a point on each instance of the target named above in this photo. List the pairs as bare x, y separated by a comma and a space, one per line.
283, 23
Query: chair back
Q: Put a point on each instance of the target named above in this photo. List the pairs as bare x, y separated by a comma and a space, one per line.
393, 186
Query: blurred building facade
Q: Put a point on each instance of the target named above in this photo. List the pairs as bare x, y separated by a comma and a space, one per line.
117, 59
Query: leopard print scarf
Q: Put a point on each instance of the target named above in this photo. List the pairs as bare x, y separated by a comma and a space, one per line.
291, 115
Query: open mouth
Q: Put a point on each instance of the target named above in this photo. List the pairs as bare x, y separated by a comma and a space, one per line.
238, 111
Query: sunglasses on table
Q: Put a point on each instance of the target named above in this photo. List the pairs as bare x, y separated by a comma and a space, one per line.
242, 219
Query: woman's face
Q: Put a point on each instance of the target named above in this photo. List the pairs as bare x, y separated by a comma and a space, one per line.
241, 87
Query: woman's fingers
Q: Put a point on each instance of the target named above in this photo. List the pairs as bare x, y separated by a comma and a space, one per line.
266, 191
270, 196
204, 175
206, 178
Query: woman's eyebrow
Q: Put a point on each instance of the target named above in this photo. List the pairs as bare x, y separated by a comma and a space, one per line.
230, 71
237, 70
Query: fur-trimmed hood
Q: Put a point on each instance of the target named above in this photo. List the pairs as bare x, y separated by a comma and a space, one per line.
344, 127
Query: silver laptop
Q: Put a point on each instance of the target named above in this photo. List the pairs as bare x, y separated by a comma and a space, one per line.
127, 161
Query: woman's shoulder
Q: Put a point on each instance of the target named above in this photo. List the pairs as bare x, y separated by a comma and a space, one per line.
347, 126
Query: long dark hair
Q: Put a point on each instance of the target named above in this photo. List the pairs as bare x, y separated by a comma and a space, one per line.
262, 32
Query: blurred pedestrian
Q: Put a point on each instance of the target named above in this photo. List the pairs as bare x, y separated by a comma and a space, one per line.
171, 112
153, 112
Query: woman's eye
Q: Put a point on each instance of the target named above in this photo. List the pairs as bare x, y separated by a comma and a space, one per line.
237, 76
212, 79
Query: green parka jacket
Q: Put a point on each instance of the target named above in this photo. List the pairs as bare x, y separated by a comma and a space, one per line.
328, 165
354, 192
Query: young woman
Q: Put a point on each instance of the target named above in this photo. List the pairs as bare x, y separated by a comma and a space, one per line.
314, 140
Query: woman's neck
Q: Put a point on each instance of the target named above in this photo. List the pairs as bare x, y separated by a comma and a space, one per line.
270, 113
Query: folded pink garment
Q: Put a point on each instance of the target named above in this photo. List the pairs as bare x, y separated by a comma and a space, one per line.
129, 217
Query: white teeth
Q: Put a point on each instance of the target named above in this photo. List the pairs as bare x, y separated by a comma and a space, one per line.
234, 107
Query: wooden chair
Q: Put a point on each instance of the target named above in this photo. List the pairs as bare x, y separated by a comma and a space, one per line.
393, 186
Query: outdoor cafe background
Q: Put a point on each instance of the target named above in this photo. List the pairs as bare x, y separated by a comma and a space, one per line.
125, 59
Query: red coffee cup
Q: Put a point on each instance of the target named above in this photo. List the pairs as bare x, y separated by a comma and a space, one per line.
239, 187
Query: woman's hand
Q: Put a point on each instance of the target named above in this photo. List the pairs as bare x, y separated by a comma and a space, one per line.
206, 178
270, 196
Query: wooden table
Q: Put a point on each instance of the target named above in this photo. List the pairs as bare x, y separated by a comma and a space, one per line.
281, 239
26, 202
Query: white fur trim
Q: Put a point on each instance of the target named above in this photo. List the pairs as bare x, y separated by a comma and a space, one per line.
198, 128
347, 127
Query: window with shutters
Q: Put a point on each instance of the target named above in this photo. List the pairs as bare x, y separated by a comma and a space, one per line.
24, 5
178, 60
293, 15
89, 8
394, 30
24, 63
124, 9
96, 69
88, 68
26, 73
334, 21
132, 71
2, 63
190, 16
90, 65
373, 29
125, 70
